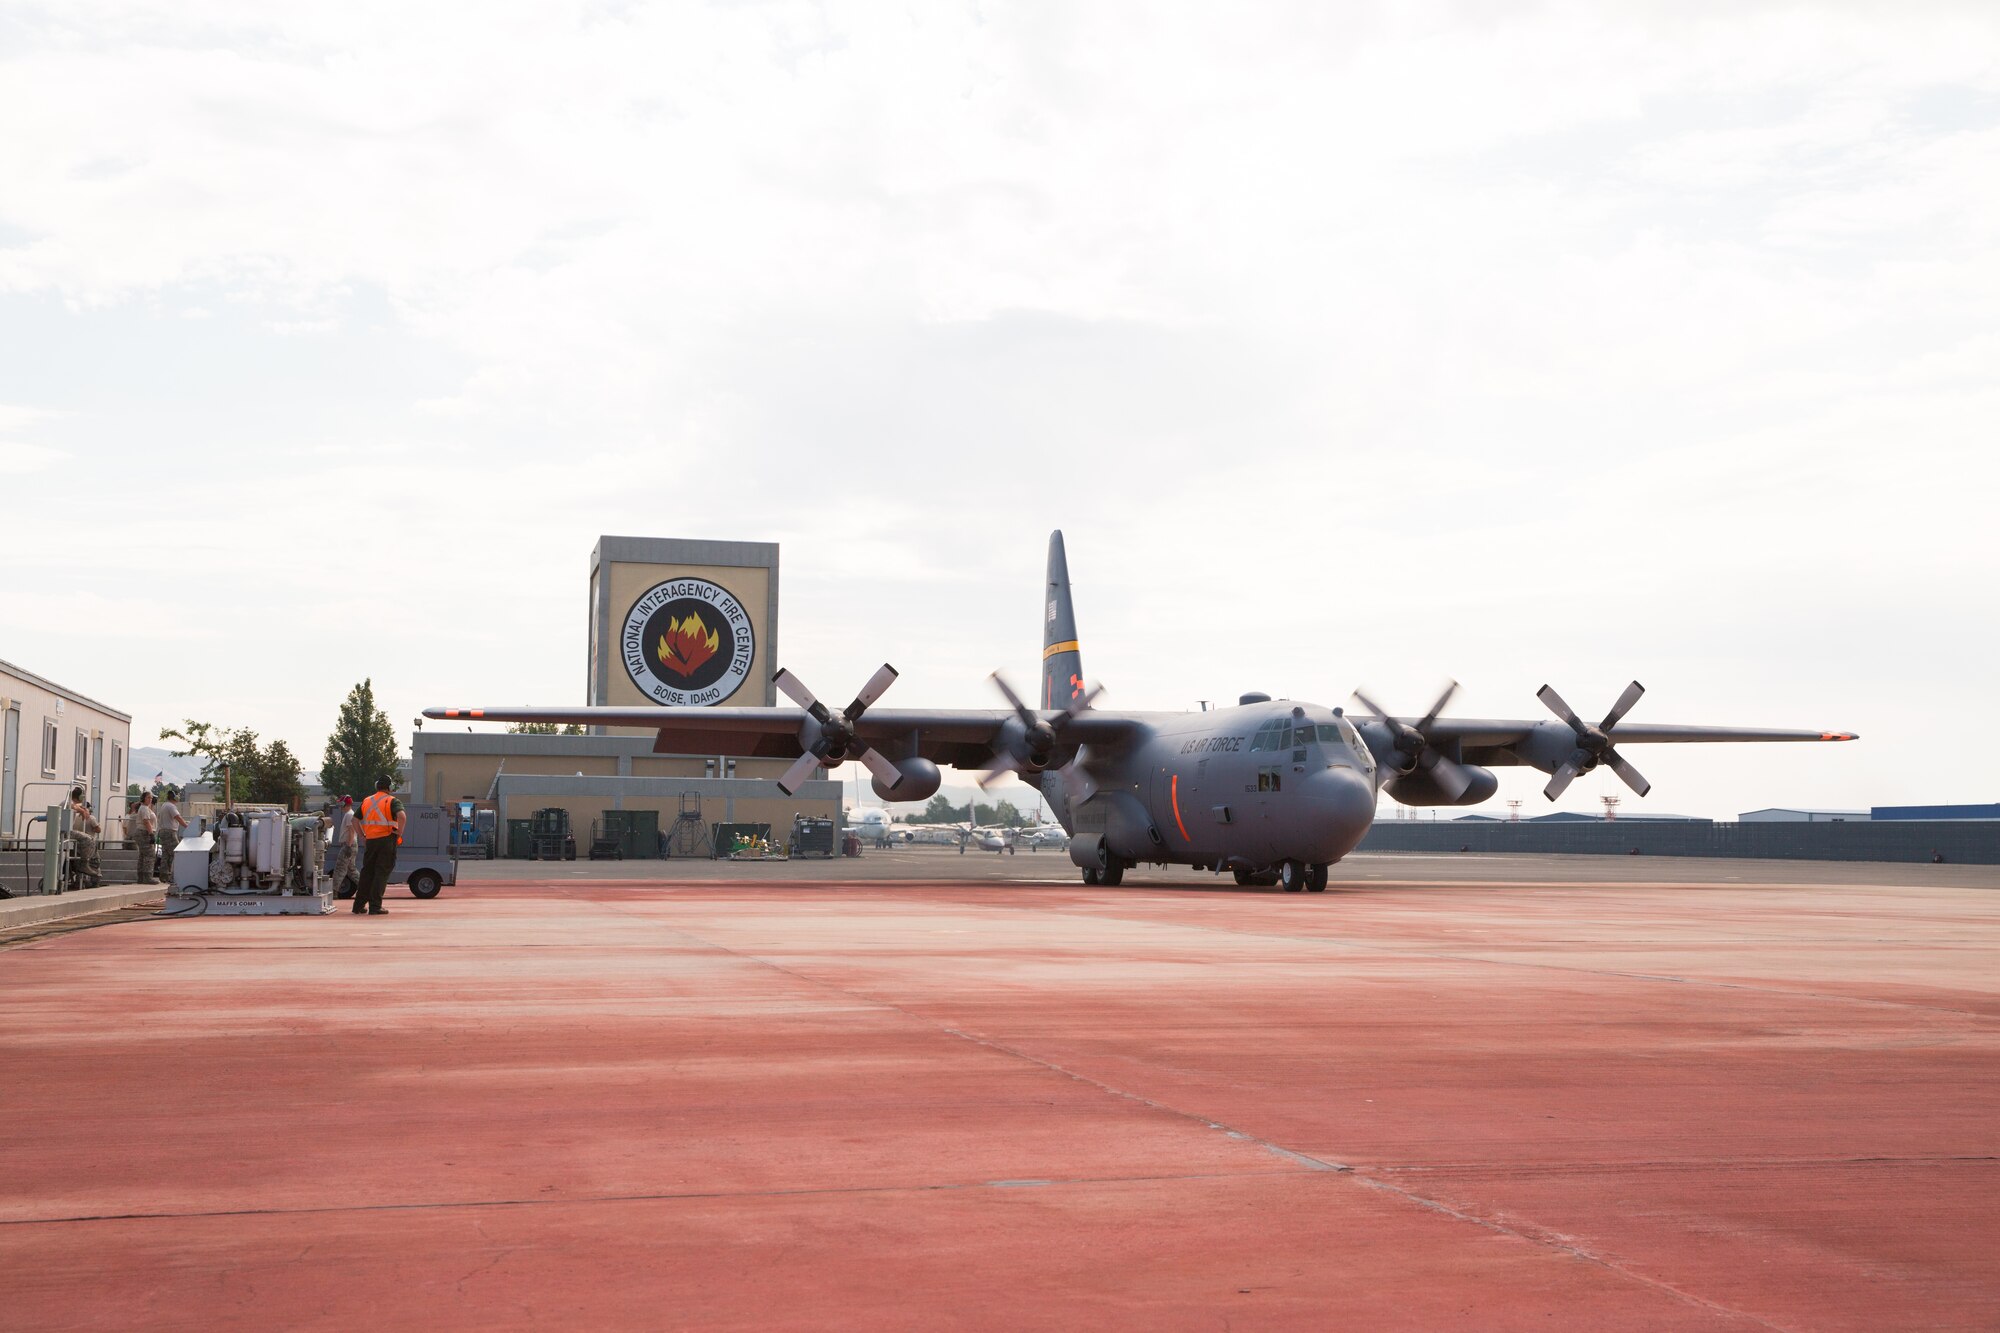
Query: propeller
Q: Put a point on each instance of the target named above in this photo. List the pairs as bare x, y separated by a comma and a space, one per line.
836, 742
1593, 744
1413, 750
1040, 734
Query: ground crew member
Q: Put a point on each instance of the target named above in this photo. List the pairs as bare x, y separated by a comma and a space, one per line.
82, 825
349, 835
382, 820
142, 827
171, 825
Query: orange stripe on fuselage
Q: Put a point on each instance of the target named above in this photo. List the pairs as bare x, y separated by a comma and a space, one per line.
1174, 795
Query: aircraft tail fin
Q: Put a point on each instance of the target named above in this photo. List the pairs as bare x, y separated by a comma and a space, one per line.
1062, 663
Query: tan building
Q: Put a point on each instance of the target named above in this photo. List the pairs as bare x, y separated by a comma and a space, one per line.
682, 622
53, 739
588, 775
672, 621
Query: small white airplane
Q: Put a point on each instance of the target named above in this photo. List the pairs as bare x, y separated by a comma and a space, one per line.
982, 837
1043, 835
875, 827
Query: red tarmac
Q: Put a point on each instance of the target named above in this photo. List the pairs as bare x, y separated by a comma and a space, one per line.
1412, 1102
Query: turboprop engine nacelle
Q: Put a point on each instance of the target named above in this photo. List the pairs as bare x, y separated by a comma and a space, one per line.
1021, 750
1422, 789
919, 783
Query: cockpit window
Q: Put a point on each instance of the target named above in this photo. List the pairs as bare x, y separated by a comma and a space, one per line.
1344, 729
1271, 736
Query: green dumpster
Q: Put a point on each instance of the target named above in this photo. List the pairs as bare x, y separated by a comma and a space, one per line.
637, 832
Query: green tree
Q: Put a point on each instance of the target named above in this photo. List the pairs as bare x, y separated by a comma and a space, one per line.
942, 811
545, 729
1005, 813
266, 774
362, 747
277, 778
221, 751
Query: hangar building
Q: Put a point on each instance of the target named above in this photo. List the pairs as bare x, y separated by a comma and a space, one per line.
671, 621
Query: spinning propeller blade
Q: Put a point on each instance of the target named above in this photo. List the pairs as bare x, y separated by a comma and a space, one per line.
1413, 750
1039, 735
1593, 744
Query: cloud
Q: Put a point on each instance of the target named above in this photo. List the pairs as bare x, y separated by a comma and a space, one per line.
1469, 338
21, 459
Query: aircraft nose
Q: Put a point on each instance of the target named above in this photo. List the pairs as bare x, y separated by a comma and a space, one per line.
1345, 803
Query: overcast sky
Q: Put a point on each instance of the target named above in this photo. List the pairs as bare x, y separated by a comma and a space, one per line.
1351, 345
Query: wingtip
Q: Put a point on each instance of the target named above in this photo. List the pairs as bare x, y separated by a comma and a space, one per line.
1840, 735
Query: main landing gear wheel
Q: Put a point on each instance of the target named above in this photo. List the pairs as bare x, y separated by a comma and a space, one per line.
1316, 879
1090, 875
1292, 876
1111, 876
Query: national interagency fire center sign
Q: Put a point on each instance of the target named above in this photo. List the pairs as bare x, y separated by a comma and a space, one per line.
688, 641
685, 623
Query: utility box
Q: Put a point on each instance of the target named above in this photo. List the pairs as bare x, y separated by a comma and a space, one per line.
520, 838
812, 837
637, 832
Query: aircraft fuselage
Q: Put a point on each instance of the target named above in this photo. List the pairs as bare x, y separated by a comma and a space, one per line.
1245, 788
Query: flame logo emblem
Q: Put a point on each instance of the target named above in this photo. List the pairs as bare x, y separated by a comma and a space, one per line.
687, 644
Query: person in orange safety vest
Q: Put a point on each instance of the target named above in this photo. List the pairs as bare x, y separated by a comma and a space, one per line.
382, 820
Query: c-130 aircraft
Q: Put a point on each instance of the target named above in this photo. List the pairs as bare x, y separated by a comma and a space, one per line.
1272, 790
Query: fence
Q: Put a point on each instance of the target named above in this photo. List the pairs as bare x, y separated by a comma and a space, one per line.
1959, 841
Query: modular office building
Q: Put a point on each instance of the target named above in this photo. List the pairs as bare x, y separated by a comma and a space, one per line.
53, 739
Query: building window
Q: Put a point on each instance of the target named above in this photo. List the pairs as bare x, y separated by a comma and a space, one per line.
82, 754
117, 764
49, 741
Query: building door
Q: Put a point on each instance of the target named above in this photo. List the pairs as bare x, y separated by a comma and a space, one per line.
97, 776
10, 768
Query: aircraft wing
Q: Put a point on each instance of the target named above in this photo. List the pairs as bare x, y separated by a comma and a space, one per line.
1492, 741
954, 737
